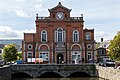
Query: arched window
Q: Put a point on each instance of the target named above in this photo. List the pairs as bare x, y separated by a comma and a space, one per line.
60, 35
75, 36
43, 36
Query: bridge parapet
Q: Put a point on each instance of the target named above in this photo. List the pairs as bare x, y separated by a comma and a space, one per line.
35, 70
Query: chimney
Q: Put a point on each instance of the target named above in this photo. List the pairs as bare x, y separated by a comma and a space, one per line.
101, 39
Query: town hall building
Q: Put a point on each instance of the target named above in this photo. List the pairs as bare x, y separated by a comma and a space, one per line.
59, 39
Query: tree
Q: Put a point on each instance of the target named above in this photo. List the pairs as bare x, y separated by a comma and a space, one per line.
114, 48
9, 53
19, 56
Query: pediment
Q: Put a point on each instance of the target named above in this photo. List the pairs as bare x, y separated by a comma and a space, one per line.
59, 7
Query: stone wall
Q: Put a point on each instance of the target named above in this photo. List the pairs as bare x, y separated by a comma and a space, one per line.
5, 73
109, 73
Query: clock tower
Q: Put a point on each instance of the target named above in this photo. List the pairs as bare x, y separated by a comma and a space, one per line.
59, 12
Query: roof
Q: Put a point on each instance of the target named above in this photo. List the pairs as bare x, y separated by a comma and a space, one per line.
2, 46
104, 44
59, 6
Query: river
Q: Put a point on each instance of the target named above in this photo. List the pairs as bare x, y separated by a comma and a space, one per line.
58, 79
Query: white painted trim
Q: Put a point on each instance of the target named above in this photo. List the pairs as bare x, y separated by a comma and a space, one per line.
90, 46
30, 45
77, 36
29, 52
45, 52
77, 45
78, 53
45, 45
45, 33
91, 54
63, 35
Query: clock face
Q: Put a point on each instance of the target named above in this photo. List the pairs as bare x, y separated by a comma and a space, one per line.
59, 16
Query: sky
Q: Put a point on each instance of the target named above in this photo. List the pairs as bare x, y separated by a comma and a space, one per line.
18, 16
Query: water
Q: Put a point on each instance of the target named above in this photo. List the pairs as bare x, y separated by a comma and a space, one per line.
58, 79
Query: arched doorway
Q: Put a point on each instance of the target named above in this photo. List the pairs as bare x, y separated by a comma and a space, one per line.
60, 58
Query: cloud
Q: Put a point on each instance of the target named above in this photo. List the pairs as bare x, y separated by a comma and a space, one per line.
21, 13
7, 32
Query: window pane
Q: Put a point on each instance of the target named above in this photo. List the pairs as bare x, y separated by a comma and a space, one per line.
88, 37
75, 36
73, 57
29, 55
44, 36
59, 37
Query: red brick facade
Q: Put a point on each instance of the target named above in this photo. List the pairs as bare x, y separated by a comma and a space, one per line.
59, 38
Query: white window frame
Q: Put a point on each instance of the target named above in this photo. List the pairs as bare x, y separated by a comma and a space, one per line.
30, 45
89, 55
88, 35
63, 35
77, 39
42, 35
31, 53
46, 52
89, 45
74, 53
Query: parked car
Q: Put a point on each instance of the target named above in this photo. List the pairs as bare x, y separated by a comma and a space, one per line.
19, 61
107, 62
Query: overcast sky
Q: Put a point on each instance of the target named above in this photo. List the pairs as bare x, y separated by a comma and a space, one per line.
18, 16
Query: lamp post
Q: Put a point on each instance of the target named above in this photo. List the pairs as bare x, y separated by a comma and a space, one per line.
59, 59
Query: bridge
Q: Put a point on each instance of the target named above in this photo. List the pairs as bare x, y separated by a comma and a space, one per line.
58, 70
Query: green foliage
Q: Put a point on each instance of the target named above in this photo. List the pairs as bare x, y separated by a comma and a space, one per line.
114, 48
19, 56
9, 53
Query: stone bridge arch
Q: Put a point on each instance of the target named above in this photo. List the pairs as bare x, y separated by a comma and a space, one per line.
79, 74
21, 75
49, 74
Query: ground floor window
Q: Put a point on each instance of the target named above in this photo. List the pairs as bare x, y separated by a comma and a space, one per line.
29, 54
76, 55
44, 56
89, 55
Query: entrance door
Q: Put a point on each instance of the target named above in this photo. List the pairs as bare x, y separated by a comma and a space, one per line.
60, 58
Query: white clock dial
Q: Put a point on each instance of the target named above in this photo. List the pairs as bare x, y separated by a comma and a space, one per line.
59, 15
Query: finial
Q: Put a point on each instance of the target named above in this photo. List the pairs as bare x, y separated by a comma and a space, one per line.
59, 3
81, 15
37, 15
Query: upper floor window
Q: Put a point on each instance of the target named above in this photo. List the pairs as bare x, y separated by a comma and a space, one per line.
88, 36
60, 35
43, 36
75, 36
